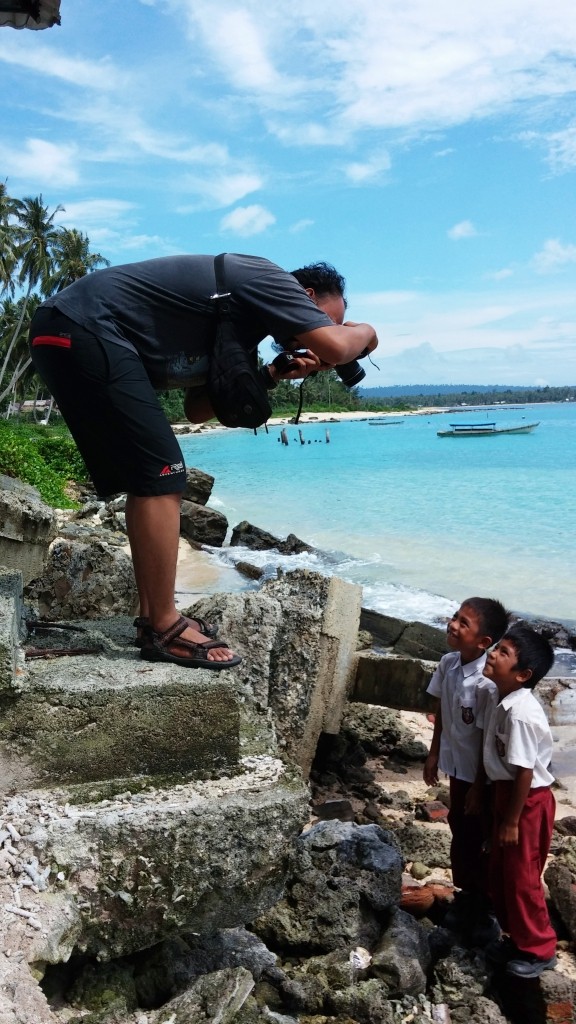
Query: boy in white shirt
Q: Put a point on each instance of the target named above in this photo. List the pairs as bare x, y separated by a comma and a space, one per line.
517, 749
456, 750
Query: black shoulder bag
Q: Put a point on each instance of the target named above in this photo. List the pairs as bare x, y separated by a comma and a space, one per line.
236, 388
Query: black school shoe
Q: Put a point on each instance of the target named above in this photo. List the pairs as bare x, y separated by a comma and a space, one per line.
527, 965
485, 931
502, 951
460, 910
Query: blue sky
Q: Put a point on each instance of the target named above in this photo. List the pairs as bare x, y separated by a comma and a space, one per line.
428, 150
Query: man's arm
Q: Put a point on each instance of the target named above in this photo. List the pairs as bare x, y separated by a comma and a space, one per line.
430, 772
339, 343
197, 408
508, 828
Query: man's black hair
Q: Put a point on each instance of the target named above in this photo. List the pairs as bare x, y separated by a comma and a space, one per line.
533, 652
322, 277
494, 617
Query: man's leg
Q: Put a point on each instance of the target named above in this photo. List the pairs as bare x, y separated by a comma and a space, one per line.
153, 525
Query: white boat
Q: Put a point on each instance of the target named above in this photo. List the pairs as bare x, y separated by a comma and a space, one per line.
383, 422
484, 429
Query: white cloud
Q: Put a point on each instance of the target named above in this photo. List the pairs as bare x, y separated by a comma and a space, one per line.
464, 229
41, 162
217, 190
507, 364
361, 173
52, 62
553, 255
526, 334
237, 40
499, 275
413, 66
300, 225
247, 220
95, 213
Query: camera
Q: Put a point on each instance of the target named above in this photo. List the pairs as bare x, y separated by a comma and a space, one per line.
350, 373
283, 362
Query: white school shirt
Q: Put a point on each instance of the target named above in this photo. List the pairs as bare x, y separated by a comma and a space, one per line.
458, 687
516, 735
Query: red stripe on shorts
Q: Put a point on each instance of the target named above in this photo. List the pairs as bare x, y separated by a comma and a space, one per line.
59, 340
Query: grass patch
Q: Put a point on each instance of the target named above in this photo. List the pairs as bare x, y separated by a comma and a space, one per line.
44, 457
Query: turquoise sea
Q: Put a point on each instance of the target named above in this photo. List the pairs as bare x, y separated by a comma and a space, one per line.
419, 521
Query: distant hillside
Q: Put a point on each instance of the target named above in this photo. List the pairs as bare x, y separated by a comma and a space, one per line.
413, 395
436, 389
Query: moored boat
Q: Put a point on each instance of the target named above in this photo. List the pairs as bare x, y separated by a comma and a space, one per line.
383, 422
484, 429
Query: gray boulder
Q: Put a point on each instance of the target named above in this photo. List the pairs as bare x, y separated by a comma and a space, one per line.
85, 579
431, 847
202, 525
402, 957
330, 985
249, 536
560, 878
217, 997
198, 486
174, 965
344, 880
27, 527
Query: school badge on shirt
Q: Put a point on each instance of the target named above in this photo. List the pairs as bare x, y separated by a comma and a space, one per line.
467, 715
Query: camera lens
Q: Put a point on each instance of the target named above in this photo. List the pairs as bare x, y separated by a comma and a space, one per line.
350, 373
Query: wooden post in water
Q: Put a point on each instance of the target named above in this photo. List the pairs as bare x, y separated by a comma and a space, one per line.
284, 436
327, 436
302, 441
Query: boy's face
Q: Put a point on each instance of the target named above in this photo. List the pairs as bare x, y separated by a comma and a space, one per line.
502, 668
466, 634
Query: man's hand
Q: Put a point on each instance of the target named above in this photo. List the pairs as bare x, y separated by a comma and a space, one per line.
508, 834
430, 772
371, 344
301, 366
339, 343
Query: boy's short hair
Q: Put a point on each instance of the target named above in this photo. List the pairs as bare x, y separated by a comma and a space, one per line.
494, 617
322, 277
533, 651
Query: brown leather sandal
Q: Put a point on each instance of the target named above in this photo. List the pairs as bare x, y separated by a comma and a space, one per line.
156, 648
142, 626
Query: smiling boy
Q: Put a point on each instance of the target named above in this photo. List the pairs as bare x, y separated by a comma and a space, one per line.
517, 749
456, 750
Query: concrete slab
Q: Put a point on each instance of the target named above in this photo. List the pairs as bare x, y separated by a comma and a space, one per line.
27, 526
122, 874
89, 718
393, 682
11, 615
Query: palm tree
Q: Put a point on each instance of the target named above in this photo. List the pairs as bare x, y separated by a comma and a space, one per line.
72, 259
8, 257
15, 325
35, 234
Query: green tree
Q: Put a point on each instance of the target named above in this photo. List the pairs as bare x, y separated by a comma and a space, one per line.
15, 325
34, 233
72, 259
8, 255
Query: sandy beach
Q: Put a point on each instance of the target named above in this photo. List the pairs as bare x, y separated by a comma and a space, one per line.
360, 415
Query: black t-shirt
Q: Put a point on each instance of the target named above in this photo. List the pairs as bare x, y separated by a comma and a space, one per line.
162, 309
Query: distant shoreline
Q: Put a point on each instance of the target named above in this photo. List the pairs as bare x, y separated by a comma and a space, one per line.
312, 417
358, 415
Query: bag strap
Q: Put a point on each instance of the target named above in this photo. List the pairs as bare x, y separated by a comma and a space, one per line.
221, 296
